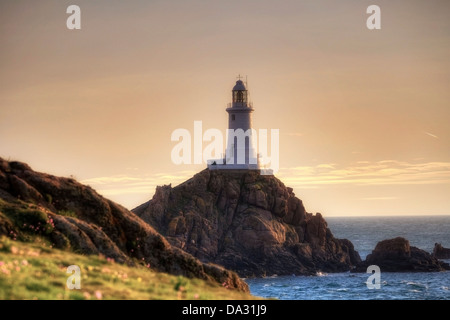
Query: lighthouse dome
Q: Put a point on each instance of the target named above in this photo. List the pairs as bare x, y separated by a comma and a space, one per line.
239, 86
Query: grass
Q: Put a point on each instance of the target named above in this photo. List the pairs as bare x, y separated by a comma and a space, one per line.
33, 271
67, 213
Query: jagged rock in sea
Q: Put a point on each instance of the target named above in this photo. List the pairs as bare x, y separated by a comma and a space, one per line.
247, 222
440, 252
396, 255
73, 216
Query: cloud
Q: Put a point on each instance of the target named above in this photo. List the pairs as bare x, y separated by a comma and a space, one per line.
386, 172
431, 135
360, 173
134, 184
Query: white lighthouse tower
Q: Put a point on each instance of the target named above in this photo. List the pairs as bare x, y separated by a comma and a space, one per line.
240, 152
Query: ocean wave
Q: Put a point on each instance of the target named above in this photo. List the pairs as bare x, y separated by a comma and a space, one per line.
342, 286
416, 284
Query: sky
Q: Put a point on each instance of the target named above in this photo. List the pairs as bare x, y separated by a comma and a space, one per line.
363, 114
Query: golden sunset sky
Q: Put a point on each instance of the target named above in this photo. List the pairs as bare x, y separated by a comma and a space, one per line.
364, 115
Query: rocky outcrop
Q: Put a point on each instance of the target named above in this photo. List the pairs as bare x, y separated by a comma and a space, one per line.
396, 255
247, 222
440, 252
73, 216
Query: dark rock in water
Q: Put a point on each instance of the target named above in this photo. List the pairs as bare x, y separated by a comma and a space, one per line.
396, 255
74, 216
247, 222
440, 252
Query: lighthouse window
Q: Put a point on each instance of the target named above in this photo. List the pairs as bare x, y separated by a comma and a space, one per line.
233, 117
239, 96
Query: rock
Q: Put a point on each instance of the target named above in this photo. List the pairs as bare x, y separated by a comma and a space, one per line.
23, 190
247, 222
4, 183
440, 252
396, 255
74, 216
392, 249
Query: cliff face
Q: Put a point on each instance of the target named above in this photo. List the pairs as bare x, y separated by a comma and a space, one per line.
73, 216
248, 223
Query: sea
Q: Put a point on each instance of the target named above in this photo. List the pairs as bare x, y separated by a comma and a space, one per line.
365, 232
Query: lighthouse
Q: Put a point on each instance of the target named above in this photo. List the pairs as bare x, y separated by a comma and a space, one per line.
240, 152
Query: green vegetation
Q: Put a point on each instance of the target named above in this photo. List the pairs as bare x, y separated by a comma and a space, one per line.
49, 198
35, 271
29, 220
67, 213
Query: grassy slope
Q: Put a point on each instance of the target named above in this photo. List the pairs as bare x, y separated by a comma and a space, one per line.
35, 271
